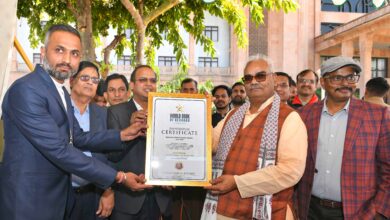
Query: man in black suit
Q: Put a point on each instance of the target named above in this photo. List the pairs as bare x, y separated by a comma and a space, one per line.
148, 204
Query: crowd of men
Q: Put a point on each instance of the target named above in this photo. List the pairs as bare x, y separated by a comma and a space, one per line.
278, 153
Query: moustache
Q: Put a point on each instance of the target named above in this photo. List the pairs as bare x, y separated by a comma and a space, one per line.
343, 88
255, 86
64, 65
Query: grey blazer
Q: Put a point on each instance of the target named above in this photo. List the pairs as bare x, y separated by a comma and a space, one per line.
131, 159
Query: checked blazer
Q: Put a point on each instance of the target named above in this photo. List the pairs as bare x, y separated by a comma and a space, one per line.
365, 169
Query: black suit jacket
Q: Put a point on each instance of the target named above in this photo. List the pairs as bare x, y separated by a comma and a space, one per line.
131, 159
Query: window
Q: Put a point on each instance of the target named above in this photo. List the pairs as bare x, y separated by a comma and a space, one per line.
43, 24
327, 27
211, 32
124, 61
207, 62
167, 61
128, 33
36, 58
356, 6
379, 67
164, 35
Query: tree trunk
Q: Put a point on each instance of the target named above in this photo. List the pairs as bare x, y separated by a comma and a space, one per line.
107, 52
140, 57
84, 26
141, 21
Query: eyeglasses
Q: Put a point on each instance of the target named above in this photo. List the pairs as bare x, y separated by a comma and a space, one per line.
259, 77
281, 85
306, 81
338, 79
86, 78
144, 80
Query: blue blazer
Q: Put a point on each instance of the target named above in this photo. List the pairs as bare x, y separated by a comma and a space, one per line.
39, 156
98, 122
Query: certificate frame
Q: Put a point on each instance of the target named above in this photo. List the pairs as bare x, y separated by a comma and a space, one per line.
166, 161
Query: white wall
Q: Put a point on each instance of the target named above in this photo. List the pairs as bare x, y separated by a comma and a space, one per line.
222, 47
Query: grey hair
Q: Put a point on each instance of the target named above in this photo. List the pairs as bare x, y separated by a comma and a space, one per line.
260, 57
60, 27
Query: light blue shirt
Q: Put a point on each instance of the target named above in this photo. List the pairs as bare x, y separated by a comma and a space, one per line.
83, 120
330, 148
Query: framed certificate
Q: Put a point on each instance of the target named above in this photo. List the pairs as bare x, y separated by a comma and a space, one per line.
178, 146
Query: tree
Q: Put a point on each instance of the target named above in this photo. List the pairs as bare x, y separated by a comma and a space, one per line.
148, 18
90, 17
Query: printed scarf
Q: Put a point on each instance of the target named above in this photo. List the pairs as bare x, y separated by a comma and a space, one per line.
261, 204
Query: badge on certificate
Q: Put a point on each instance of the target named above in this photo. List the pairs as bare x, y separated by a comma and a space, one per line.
178, 146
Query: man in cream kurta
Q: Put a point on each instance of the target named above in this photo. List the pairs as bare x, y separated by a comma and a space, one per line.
291, 144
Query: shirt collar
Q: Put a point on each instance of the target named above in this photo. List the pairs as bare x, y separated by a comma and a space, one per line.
76, 109
138, 106
57, 84
313, 99
376, 100
346, 107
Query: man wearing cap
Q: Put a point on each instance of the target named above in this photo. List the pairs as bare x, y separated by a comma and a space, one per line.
347, 174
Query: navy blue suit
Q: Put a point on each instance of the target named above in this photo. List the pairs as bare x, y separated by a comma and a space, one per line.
87, 202
98, 122
39, 156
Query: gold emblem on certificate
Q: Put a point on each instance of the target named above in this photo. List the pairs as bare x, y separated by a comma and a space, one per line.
178, 149
179, 165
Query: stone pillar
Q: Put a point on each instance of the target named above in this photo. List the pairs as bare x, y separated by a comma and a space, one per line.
275, 39
347, 49
317, 63
191, 56
365, 51
238, 56
317, 18
7, 27
191, 53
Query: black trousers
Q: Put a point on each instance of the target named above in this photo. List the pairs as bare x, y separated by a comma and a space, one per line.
319, 212
188, 203
149, 211
85, 203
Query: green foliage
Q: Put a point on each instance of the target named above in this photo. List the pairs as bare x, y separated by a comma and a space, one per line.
173, 86
206, 87
189, 14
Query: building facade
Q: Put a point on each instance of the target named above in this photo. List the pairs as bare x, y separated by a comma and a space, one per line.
295, 41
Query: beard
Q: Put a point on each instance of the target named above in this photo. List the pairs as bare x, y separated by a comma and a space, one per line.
222, 106
238, 100
59, 75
